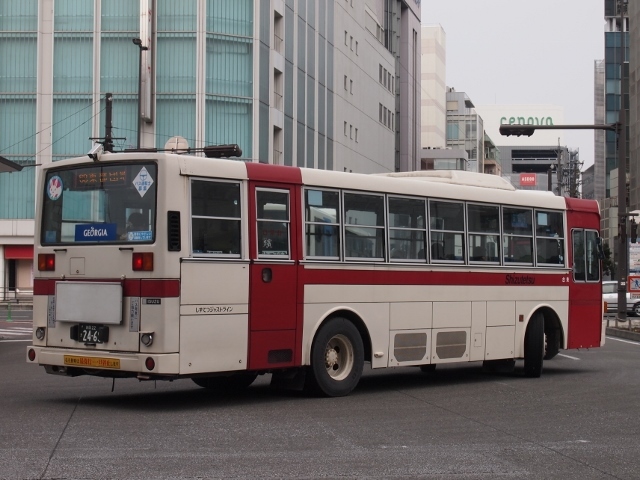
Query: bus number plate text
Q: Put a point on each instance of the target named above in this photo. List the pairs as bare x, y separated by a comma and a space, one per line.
93, 333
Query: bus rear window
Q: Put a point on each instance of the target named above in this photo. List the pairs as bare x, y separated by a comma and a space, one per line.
100, 204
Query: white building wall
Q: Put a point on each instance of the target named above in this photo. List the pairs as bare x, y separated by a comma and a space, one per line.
434, 88
410, 91
357, 105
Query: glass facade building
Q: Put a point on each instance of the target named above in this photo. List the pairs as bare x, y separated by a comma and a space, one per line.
291, 82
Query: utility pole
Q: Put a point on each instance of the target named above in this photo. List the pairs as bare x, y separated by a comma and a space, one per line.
142, 48
559, 170
623, 250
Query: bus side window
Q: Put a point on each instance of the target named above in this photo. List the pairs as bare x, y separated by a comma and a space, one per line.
579, 258
273, 223
215, 217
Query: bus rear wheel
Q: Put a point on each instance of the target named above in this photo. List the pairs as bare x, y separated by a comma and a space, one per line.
337, 359
231, 383
534, 349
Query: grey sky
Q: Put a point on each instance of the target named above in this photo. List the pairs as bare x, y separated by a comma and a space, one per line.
525, 52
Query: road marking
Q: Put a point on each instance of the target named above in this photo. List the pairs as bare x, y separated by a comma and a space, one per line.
16, 331
568, 356
623, 341
23, 340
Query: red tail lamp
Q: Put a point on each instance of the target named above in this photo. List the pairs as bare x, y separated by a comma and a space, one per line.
150, 363
142, 261
31, 354
46, 262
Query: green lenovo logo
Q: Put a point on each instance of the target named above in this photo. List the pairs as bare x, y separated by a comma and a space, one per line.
526, 121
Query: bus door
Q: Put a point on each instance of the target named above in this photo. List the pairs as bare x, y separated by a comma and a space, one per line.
273, 274
585, 289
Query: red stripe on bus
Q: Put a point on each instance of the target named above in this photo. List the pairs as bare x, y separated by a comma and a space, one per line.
134, 287
131, 287
274, 173
385, 277
42, 286
160, 288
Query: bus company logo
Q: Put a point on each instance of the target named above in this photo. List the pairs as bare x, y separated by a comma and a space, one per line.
143, 181
528, 179
54, 189
519, 280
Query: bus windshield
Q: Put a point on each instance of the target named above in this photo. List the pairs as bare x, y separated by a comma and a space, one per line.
100, 204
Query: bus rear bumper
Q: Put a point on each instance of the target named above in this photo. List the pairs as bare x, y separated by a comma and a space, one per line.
121, 364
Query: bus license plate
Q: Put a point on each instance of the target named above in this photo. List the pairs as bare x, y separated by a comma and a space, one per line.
93, 333
96, 362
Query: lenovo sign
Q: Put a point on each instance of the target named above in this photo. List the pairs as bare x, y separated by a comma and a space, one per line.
527, 179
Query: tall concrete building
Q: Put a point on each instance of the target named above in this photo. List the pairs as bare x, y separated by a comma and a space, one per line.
614, 94
465, 129
434, 87
634, 106
328, 84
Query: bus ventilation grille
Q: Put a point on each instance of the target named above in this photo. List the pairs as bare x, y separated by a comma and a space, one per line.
410, 347
451, 344
280, 356
173, 231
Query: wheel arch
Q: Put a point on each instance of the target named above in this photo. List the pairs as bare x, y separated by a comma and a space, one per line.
554, 327
552, 324
354, 318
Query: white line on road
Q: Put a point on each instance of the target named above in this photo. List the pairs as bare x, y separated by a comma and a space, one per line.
16, 331
7, 341
623, 341
568, 356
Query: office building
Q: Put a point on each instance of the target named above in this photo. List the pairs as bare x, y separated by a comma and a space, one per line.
328, 84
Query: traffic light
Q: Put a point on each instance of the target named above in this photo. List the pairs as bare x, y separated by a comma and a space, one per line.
508, 130
634, 231
222, 151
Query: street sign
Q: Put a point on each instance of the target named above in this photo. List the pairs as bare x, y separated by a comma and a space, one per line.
634, 284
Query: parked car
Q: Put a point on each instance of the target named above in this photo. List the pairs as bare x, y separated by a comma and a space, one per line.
610, 295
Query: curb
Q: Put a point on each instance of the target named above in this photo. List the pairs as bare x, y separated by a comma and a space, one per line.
623, 333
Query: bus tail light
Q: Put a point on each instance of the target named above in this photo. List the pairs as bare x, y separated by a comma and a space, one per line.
46, 262
150, 363
31, 354
142, 261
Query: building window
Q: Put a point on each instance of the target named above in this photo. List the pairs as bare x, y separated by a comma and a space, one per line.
351, 87
345, 129
345, 82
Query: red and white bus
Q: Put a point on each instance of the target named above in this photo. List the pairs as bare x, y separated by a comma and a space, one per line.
165, 266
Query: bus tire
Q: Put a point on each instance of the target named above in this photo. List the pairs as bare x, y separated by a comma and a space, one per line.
551, 344
534, 346
231, 383
337, 359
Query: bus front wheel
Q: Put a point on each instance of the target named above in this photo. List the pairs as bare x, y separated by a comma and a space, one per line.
534, 349
337, 358
231, 383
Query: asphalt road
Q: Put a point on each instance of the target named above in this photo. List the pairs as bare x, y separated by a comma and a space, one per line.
578, 421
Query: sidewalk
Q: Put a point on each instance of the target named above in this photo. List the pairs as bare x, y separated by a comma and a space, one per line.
629, 329
21, 305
